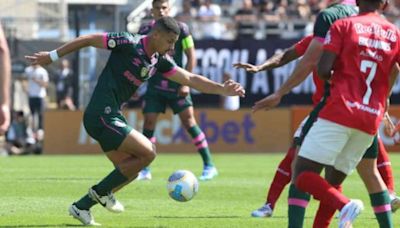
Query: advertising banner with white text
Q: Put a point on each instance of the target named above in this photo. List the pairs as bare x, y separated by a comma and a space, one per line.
226, 131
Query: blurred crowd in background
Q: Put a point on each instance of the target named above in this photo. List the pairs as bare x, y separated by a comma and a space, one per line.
32, 25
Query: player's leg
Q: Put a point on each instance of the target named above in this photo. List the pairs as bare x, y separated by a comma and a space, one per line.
298, 200
330, 144
184, 108
153, 104
385, 170
128, 150
282, 177
378, 194
326, 212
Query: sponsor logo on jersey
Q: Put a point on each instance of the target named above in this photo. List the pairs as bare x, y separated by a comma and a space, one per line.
363, 107
371, 43
376, 30
107, 110
118, 123
111, 43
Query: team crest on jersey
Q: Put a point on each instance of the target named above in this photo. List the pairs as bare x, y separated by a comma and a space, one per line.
107, 110
143, 72
111, 43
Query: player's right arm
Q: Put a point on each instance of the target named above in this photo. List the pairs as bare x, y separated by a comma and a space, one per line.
277, 60
93, 40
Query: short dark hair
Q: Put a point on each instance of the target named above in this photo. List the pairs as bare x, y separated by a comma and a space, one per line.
167, 24
162, 1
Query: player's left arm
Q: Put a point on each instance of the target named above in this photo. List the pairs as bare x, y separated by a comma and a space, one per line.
205, 85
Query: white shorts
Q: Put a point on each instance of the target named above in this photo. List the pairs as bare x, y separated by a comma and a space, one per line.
333, 144
297, 133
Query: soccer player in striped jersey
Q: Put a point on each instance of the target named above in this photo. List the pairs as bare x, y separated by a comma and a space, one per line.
133, 60
162, 92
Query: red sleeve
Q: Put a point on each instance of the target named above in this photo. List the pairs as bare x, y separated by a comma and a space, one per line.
334, 38
302, 45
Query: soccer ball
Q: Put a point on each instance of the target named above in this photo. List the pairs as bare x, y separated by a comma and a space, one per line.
182, 185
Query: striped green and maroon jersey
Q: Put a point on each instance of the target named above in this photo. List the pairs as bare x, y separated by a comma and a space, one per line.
185, 41
126, 69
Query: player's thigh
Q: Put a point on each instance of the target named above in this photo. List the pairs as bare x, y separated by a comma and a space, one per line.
333, 176
324, 142
353, 151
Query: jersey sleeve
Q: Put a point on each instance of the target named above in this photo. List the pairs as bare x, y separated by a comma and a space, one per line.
117, 40
166, 66
334, 38
144, 29
187, 39
322, 25
302, 45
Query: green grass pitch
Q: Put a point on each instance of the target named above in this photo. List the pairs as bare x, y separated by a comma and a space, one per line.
35, 191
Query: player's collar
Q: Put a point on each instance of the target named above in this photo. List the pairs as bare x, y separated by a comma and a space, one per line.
145, 41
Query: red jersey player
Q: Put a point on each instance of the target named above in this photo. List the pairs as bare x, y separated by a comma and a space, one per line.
361, 51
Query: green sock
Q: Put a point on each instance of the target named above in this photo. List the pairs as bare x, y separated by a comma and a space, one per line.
85, 203
148, 133
200, 141
381, 204
298, 202
113, 180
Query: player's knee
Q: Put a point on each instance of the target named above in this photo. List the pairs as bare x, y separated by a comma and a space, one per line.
150, 155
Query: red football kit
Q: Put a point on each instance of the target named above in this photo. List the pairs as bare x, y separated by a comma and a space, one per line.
366, 52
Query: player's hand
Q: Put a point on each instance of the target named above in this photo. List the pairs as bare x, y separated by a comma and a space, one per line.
42, 58
267, 103
4, 118
232, 88
183, 91
389, 126
247, 66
